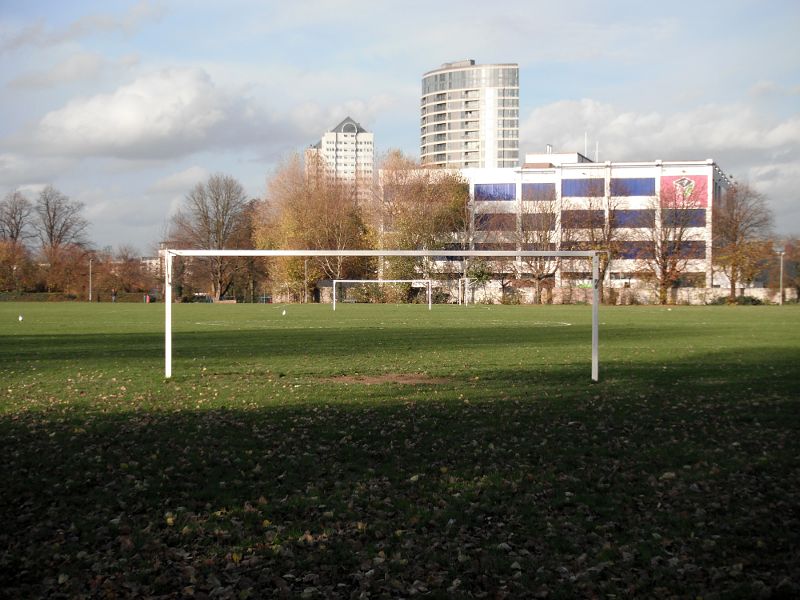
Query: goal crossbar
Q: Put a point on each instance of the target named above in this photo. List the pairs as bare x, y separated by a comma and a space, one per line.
427, 282
170, 253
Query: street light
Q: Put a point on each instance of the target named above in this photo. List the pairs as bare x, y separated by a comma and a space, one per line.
90, 279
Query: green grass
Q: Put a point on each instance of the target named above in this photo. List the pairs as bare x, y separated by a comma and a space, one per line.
259, 470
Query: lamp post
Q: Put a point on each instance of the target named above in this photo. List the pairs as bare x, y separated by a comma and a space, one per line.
90, 279
781, 252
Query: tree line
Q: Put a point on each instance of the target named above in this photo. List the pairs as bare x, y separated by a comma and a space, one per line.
44, 248
43, 244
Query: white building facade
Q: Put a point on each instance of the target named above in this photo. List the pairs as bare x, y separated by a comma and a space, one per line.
346, 154
470, 116
554, 200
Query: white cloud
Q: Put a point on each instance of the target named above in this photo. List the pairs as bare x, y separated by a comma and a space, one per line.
169, 113
181, 181
18, 170
82, 66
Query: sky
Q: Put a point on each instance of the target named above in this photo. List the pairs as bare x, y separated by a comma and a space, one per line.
126, 105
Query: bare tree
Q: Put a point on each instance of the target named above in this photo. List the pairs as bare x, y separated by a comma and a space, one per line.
213, 216
594, 224
742, 221
15, 216
59, 221
675, 238
538, 230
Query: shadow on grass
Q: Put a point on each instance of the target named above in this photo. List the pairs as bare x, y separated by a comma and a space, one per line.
685, 481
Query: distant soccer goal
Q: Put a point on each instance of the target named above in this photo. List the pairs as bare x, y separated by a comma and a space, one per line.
594, 255
426, 283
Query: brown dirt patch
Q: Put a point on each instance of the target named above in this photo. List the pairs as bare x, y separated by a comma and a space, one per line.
399, 378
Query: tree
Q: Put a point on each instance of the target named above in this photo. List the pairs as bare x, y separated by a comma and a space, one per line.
61, 228
214, 216
59, 221
594, 224
674, 238
539, 231
418, 208
742, 221
303, 208
15, 215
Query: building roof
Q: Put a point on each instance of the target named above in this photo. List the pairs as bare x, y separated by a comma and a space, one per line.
352, 127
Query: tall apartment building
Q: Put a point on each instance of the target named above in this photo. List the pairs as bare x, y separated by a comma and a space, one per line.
345, 153
470, 116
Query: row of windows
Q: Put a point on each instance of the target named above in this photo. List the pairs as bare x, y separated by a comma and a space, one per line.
476, 77
570, 188
623, 250
592, 188
507, 94
588, 219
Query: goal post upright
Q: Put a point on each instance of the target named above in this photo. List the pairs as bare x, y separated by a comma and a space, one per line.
169, 254
167, 314
595, 317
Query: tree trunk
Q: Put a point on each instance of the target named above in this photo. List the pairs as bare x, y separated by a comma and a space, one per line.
732, 294
663, 292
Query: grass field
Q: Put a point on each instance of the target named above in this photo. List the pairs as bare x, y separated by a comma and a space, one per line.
392, 451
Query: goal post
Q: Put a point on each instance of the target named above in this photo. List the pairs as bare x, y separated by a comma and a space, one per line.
170, 253
427, 282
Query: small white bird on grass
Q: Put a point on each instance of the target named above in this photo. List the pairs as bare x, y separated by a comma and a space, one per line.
20, 317
284, 312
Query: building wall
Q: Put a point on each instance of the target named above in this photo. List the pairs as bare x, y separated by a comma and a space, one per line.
639, 195
345, 153
470, 116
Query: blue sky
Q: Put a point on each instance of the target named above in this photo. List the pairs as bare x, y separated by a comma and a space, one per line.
126, 105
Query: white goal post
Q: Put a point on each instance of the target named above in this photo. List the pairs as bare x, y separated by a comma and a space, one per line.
170, 253
426, 282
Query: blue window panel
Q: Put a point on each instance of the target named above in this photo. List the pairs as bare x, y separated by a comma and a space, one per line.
538, 192
538, 221
683, 217
686, 249
582, 219
633, 186
495, 191
635, 250
633, 218
583, 188
496, 222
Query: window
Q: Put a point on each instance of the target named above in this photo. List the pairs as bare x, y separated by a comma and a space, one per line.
683, 217
634, 250
633, 218
539, 221
686, 248
496, 222
643, 186
582, 188
538, 192
582, 219
495, 191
